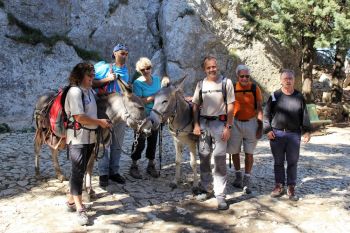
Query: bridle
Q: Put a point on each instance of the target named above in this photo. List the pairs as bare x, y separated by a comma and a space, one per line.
171, 119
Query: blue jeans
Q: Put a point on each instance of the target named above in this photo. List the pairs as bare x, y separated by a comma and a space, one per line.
109, 163
286, 146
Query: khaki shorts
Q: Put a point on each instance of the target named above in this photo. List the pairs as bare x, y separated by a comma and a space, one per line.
243, 131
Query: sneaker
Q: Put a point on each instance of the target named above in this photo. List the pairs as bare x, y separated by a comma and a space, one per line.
152, 171
237, 183
291, 193
82, 217
246, 185
278, 191
70, 207
222, 204
103, 181
134, 172
117, 178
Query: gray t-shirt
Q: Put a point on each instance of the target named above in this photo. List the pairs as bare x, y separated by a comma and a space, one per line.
74, 106
213, 99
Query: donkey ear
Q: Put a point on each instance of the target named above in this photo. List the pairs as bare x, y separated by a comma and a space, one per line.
124, 87
165, 82
179, 84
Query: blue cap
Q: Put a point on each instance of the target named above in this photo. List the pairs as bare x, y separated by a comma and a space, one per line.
119, 47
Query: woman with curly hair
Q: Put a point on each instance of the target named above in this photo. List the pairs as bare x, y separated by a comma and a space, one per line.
81, 109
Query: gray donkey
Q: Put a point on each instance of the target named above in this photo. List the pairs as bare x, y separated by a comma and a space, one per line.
170, 106
125, 107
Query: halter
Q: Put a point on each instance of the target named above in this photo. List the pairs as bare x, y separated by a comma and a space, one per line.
171, 119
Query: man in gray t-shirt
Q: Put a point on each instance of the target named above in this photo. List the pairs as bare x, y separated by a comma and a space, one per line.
213, 123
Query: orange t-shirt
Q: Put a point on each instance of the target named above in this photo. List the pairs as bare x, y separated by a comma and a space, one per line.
244, 103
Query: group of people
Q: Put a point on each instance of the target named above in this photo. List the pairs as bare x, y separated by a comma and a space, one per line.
225, 116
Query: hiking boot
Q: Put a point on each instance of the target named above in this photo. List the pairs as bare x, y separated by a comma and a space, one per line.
103, 181
82, 217
237, 183
222, 204
246, 185
152, 171
278, 191
117, 178
291, 193
134, 171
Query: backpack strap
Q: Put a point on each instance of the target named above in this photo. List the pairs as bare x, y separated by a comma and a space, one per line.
275, 97
224, 94
223, 90
200, 92
252, 90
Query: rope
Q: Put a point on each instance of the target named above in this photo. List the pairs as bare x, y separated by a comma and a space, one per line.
160, 146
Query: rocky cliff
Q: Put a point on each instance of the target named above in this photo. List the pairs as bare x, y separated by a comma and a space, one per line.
42, 40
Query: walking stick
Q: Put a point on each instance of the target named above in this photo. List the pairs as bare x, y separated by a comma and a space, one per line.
160, 146
229, 160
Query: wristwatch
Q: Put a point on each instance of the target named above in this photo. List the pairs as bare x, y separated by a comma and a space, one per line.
228, 126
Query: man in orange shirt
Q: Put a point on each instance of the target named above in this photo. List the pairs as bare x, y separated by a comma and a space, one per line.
247, 125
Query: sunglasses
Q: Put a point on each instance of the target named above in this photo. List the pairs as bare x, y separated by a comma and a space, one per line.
124, 53
244, 76
147, 68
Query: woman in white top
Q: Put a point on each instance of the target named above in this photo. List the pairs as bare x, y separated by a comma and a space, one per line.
81, 109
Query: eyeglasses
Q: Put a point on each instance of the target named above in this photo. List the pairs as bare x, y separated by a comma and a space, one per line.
147, 68
244, 76
124, 53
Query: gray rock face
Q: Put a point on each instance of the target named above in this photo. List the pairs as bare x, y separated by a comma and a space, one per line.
176, 35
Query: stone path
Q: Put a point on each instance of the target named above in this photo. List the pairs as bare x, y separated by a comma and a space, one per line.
31, 204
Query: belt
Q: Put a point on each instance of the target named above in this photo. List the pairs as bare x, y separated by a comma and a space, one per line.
242, 120
213, 118
289, 130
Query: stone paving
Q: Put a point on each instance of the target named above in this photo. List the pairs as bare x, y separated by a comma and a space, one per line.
32, 204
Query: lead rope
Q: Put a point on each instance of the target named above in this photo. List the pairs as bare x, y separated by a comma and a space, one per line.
160, 146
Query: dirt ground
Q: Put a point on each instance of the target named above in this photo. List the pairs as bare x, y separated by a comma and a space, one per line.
32, 204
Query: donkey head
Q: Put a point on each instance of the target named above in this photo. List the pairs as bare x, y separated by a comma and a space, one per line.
165, 100
134, 110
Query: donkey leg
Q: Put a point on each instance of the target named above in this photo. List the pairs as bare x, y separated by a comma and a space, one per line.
193, 151
88, 176
178, 160
37, 147
59, 175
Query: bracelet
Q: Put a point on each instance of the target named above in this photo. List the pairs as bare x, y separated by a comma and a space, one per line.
228, 126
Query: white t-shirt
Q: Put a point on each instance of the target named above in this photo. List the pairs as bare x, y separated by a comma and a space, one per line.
213, 99
74, 106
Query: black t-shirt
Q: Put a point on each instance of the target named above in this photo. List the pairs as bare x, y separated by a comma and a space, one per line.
286, 112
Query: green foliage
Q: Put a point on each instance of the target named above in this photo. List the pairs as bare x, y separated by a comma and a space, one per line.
34, 36
292, 22
4, 128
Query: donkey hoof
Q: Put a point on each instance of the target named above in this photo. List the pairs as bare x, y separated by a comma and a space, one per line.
196, 191
86, 197
92, 194
61, 178
173, 185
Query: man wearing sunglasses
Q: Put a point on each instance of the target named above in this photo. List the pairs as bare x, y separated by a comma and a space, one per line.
108, 165
247, 126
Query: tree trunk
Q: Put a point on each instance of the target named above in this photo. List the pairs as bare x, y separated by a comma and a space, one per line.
338, 74
306, 69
